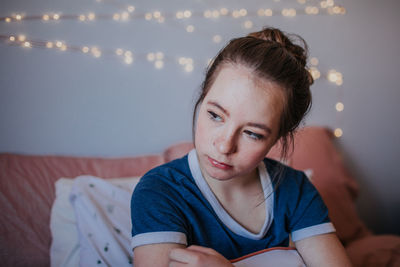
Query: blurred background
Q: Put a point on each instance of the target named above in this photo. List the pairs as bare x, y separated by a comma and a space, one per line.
119, 78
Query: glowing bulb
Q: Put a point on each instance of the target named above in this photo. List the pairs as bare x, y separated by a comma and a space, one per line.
148, 16
330, 3
339, 106
189, 61
8, 20
182, 61
207, 14
119, 52
301, 1
49, 45
159, 55
324, 4
242, 12
21, 38
235, 14
332, 76
268, 12
128, 60
189, 68
12, 38
224, 11
187, 13
261, 12
63, 47
338, 132
179, 15
125, 16
314, 61
116, 16
91, 16
85, 49
217, 38
128, 53
315, 73
159, 64
151, 56
336, 9
215, 13
190, 28
46, 17
131, 9
248, 24
27, 44
59, 44
156, 14
56, 16
18, 17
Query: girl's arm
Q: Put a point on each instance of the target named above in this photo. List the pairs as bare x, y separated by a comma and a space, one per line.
153, 255
323, 250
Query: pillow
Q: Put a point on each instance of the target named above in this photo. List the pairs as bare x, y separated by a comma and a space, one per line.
279, 256
65, 247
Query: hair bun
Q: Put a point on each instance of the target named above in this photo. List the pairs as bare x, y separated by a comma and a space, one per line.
287, 41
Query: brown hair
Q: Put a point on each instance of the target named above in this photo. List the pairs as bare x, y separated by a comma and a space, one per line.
274, 56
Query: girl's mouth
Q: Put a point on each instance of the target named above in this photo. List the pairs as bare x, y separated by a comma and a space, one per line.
219, 165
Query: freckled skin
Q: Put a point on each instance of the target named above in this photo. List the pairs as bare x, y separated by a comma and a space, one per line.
226, 135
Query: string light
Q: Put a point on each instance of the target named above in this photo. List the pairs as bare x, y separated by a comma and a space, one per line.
314, 61
7, 20
12, 38
131, 9
338, 132
315, 73
339, 107
248, 24
217, 38
335, 77
190, 28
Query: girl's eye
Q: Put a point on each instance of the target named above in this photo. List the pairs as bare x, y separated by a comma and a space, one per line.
254, 135
214, 116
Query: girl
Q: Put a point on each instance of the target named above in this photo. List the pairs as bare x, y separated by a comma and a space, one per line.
225, 199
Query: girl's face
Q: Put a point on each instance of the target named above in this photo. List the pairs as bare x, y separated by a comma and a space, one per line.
237, 123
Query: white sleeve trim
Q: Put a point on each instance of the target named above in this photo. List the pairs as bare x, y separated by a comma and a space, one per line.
318, 229
158, 237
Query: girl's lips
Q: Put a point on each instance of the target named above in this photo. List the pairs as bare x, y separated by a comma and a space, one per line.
219, 165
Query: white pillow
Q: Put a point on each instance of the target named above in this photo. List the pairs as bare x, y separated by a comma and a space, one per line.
65, 247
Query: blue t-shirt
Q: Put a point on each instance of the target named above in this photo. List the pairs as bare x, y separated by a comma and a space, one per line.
173, 203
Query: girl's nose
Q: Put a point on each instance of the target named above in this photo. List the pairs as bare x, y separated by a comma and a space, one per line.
225, 144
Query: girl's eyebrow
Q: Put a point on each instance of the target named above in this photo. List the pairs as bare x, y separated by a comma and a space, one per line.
215, 104
252, 124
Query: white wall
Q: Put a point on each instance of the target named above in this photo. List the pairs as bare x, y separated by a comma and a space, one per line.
54, 102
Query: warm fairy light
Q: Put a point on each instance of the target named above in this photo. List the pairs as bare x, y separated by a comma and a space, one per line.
339, 106
179, 15
324, 4
314, 61
242, 12
131, 9
27, 44
235, 14
21, 38
12, 38
46, 17
119, 52
301, 1
91, 16
189, 61
187, 13
128, 53
335, 77
190, 28
85, 49
315, 73
82, 17
63, 47
159, 55
217, 38
159, 64
289, 12
338, 132
189, 68
18, 17
248, 24
224, 11
59, 44
156, 14
128, 60
207, 14
312, 10
260, 12
49, 45
330, 3
116, 16
148, 16
182, 61
215, 14
125, 16
151, 56
268, 12
56, 16
7, 20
